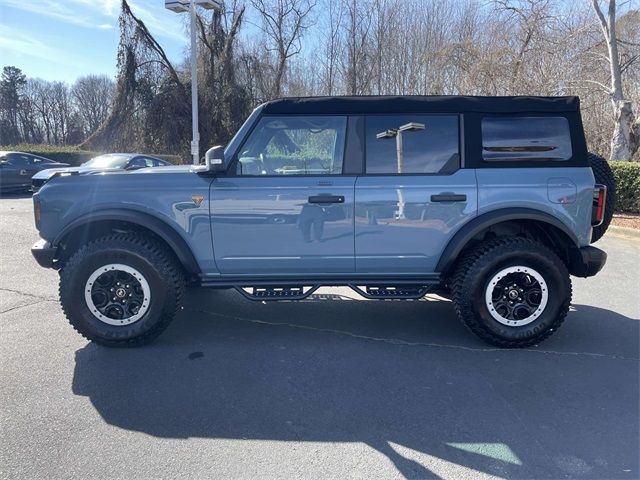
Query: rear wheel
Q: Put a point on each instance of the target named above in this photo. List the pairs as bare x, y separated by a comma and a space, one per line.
603, 175
121, 290
511, 292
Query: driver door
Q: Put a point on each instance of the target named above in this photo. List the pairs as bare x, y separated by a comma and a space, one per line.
286, 208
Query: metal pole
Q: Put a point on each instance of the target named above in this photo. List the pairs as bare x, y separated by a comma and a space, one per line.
195, 143
400, 159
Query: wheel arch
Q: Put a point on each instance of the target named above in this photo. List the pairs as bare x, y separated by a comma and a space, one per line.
89, 226
552, 231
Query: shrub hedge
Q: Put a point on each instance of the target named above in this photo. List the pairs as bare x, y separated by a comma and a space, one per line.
627, 176
71, 154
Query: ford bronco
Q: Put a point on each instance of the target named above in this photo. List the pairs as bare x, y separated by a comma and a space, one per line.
492, 202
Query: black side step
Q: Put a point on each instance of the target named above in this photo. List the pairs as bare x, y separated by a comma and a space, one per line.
384, 292
275, 293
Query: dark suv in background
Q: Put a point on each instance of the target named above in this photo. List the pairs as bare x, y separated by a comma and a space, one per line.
17, 169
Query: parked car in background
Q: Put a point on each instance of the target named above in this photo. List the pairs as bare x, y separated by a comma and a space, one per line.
17, 168
102, 163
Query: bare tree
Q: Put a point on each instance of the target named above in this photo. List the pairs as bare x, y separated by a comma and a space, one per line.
93, 95
284, 23
331, 45
626, 130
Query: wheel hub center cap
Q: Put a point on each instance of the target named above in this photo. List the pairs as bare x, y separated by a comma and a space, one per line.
513, 294
121, 292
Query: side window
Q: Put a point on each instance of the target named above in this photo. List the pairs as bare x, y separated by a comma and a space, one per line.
294, 145
33, 160
398, 144
506, 139
141, 162
17, 160
137, 162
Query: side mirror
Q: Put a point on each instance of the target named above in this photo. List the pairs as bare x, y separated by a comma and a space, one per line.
214, 159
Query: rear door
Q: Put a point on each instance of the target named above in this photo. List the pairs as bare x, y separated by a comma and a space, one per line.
413, 195
286, 209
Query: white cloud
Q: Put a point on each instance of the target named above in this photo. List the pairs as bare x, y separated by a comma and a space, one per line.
97, 14
63, 11
18, 42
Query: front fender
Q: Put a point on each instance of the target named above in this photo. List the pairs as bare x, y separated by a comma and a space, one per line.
158, 226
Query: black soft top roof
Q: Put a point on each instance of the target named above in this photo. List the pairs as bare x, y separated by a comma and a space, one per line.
419, 104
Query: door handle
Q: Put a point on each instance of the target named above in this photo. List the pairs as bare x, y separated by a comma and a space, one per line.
326, 199
449, 197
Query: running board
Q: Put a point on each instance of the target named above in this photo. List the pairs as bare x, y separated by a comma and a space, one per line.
392, 292
300, 292
272, 294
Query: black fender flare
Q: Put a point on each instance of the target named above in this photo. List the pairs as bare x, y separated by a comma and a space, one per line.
486, 220
161, 228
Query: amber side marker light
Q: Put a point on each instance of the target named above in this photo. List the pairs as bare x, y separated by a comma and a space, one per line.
599, 203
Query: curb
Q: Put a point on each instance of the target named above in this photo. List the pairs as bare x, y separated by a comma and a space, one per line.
624, 231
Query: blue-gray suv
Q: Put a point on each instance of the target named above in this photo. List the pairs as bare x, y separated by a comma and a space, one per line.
490, 201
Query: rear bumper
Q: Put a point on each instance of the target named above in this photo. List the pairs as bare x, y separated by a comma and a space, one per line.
44, 253
586, 261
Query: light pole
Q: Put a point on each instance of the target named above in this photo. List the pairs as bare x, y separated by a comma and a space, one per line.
397, 134
180, 6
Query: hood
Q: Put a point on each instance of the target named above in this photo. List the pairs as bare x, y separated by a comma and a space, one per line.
52, 172
165, 169
44, 166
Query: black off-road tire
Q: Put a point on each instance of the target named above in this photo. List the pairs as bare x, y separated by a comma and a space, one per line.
603, 174
476, 269
154, 261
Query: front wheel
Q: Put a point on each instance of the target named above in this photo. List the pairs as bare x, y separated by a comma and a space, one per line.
121, 290
511, 292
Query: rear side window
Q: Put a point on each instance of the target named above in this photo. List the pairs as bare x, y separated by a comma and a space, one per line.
507, 139
412, 144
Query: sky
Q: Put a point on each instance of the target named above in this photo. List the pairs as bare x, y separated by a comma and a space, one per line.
66, 39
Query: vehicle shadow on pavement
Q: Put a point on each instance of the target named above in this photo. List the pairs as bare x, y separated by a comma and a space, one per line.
403, 378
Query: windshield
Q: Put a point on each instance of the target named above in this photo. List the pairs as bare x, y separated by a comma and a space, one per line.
107, 161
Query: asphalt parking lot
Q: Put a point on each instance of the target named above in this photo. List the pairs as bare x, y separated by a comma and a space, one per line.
332, 387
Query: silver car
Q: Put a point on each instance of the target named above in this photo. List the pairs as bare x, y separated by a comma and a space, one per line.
102, 163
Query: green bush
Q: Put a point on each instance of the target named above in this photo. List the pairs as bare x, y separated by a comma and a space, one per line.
70, 154
627, 176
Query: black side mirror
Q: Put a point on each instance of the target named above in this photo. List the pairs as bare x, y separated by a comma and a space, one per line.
214, 159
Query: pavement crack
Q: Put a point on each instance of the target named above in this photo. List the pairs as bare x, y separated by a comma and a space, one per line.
396, 341
40, 297
26, 305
